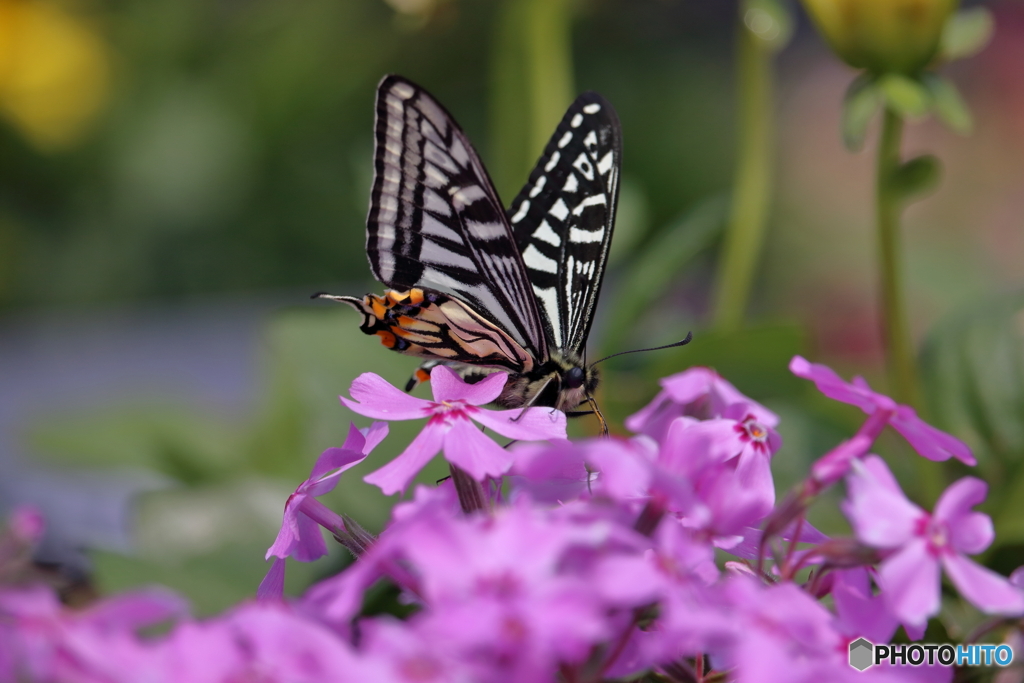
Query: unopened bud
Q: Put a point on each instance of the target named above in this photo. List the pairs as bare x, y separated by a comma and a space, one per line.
883, 36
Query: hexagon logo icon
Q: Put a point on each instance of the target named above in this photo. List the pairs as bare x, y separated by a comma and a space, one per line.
861, 654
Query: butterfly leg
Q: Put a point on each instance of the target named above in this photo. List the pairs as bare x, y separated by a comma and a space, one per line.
600, 416
533, 399
421, 375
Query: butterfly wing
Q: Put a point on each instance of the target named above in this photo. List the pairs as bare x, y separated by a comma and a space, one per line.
435, 220
564, 215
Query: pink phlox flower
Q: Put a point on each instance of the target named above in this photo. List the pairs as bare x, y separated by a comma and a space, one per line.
786, 637
337, 599
716, 474
549, 473
299, 536
698, 392
46, 641
283, 645
198, 652
860, 612
450, 425
928, 441
1017, 577
27, 524
409, 652
614, 468
920, 543
498, 591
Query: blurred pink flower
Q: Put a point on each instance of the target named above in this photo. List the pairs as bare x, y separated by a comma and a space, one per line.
928, 441
698, 392
919, 543
450, 426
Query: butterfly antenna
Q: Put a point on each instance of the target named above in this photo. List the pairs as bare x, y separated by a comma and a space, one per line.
681, 342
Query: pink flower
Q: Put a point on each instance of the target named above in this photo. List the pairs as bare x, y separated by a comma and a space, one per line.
930, 442
450, 425
697, 392
725, 464
300, 536
919, 543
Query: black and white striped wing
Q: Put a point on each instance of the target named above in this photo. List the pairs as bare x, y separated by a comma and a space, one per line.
563, 217
435, 220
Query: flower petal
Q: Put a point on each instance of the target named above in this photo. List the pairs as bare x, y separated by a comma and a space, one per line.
910, 582
971, 532
448, 386
397, 474
272, 585
374, 434
346, 457
833, 386
467, 447
690, 384
640, 420
990, 592
310, 542
375, 398
526, 424
928, 441
881, 517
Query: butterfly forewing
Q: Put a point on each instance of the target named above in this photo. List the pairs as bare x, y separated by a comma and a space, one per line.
563, 217
435, 220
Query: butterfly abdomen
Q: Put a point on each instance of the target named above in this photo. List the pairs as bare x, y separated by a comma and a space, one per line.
428, 324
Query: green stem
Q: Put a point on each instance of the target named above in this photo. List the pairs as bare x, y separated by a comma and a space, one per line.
899, 350
752, 188
531, 85
549, 53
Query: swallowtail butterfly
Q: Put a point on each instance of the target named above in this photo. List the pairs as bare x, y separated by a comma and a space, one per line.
474, 286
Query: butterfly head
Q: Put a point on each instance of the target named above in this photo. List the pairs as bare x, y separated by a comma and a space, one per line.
563, 382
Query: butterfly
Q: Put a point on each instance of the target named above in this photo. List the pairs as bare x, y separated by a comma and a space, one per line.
471, 285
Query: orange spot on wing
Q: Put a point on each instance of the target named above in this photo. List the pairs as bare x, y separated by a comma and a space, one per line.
395, 297
422, 375
386, 338
415, 296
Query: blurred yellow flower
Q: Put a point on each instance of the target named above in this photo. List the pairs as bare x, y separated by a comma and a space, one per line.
882, 35
54, 72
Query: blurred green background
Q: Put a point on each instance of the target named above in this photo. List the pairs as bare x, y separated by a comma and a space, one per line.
177, 176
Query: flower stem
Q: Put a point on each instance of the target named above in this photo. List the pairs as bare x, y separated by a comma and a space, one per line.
899, 353
752, 188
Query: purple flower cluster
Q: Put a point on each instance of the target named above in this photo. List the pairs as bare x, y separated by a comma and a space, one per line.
551, 560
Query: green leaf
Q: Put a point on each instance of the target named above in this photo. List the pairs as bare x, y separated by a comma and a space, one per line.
770, 21
917, 176
949, 106
966, 33
973, 369
863, 99
905, 95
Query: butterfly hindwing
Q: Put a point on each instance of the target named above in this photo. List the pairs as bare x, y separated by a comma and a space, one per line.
564, 215
435, 220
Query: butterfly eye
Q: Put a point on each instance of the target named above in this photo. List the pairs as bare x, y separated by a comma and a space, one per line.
573, 379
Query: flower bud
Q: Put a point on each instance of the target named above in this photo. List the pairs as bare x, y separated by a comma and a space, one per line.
882, 35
